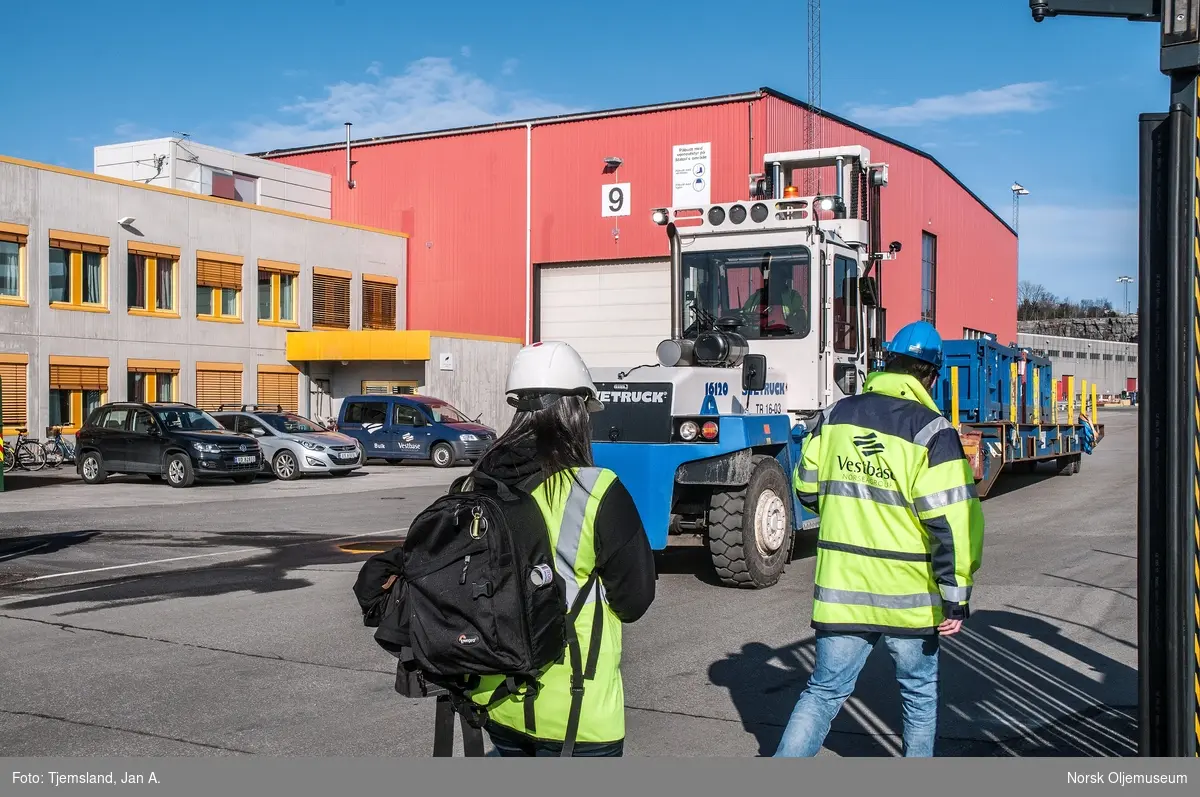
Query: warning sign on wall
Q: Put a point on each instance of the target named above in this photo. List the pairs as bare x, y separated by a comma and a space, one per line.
691, 183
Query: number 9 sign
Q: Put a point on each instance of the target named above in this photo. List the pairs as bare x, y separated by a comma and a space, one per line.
614, 200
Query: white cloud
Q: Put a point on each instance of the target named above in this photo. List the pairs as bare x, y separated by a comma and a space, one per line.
1013, 98
431, 94
509, 66
375, 69
466, 51
1079, 251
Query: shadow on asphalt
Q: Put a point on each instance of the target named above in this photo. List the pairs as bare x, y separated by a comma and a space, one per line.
264, 573
1004, 670
41, 544
26, 481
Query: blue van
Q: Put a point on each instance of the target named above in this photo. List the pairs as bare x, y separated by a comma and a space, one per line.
395, 427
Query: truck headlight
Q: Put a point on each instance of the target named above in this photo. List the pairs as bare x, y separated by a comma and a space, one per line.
689, 430
468, 438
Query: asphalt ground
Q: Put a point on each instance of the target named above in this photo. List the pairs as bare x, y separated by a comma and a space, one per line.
141, 620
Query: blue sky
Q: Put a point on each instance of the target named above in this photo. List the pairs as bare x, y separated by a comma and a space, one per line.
993, 95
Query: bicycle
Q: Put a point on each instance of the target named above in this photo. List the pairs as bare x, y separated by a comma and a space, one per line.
25, 453
57, 449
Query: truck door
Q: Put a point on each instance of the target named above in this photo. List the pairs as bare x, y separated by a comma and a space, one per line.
844, 346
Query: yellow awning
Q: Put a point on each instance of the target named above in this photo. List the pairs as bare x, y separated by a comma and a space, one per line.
358, 345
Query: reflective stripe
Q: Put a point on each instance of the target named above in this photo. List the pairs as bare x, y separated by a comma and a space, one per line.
933, 427
827, 595
946, 497
809, 476
955, 594
899, 556
864, 491
574, 515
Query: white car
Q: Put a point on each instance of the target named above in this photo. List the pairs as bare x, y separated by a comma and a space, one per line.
292, 445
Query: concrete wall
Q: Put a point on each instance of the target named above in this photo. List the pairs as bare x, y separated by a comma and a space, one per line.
188, 166
1104, 363
475, 383
346, 380
46, 198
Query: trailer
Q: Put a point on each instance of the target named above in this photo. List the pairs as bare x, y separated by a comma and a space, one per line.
1004, 402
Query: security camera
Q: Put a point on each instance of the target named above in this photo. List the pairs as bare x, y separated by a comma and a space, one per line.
1038, 9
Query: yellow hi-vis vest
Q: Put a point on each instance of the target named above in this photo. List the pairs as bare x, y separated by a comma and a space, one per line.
570, 518
901, 531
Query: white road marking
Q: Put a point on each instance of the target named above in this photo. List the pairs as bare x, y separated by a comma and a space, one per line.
205, 555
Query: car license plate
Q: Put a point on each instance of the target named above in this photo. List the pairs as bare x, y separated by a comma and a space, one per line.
244, 460
347, 456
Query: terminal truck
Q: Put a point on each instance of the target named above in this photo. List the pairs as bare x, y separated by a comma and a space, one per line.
776, 314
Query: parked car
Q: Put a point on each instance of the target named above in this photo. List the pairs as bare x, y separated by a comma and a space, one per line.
168, 440
413, 427
292, 444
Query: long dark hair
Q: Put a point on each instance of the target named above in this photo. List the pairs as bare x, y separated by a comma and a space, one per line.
558, 436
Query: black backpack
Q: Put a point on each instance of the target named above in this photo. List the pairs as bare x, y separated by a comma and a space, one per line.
477, 594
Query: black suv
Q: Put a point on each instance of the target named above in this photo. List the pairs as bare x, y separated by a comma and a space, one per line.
172, 440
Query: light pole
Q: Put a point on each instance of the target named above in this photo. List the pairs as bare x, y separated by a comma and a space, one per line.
1018, 191
1125, 281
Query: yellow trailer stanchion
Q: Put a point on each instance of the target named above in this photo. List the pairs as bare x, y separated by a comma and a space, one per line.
954, 396
1070, 398
1094, 405
1013, 393
1037, 398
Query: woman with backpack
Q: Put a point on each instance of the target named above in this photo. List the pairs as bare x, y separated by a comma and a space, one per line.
598, 541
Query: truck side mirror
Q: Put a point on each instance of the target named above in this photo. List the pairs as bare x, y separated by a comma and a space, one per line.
868, 289
754, 373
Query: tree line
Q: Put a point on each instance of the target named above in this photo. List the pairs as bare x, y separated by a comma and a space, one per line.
1035, 303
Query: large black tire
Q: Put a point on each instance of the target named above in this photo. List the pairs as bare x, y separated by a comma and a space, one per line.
91, 468
1068, 465
749, 544
179, 470
441, 455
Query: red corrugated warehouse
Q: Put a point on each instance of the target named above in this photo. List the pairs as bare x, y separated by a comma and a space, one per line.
507, 236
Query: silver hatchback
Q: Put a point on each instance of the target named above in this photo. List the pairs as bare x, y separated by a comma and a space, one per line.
292, 445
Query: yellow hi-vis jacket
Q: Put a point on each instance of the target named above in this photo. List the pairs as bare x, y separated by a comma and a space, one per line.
901, 531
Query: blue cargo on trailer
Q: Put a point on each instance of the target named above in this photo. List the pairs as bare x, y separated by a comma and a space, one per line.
1006, 411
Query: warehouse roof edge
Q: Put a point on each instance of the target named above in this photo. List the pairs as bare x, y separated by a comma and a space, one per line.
748, 96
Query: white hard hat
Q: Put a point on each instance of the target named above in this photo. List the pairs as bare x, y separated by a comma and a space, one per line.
551, 367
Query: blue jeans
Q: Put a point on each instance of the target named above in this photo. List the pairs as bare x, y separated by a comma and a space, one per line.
840, 658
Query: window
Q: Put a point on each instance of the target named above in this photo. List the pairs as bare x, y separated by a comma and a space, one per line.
331, 298
78, 266
290, 424
367, 412
1108, 357
1052, 353
767, 289
244, 424
384, 387
1095, 355
218, 287
1132, 359
152, 380
238, 187
278, 385
444, 413
153, 280
1120, 358
277, 293
845, 304
113, 419
929, 277
976, 334
217, 384
404, 415
379, 302
78, 385
14, 393
186, 418
13, 240
143, 422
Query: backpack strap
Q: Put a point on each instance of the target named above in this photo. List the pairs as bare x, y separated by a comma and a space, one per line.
579, 671
443, 732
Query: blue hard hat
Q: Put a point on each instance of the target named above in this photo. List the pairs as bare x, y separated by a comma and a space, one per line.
918, 340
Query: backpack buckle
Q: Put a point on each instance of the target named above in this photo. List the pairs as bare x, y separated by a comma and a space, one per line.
481, 590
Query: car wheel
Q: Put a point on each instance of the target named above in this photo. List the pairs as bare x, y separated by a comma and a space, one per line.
244, 478
91, 468
179, 471
442, 455
285, 466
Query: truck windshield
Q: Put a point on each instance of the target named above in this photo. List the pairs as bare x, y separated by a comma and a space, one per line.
766, 291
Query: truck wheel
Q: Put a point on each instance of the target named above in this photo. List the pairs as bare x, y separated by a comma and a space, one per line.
750, 530
1069, 465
